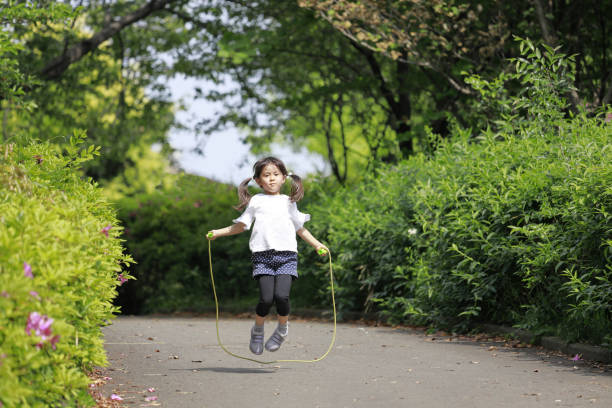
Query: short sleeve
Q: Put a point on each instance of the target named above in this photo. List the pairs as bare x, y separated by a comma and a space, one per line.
297, 217
247, 216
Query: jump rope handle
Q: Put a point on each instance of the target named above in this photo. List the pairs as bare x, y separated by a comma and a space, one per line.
209, 235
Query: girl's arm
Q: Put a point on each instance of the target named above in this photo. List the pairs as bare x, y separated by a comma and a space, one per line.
233, 229
307, 236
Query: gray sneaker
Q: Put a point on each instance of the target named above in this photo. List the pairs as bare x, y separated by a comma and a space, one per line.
275, 340
256, 344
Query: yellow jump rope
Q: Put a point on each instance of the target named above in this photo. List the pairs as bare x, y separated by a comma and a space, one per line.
333, 340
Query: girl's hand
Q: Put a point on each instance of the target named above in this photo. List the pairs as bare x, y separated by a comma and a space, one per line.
211, 235
322, 250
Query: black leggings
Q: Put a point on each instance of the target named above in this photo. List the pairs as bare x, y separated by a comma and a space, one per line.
274, 289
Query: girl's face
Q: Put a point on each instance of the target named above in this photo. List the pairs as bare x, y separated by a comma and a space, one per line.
271, 179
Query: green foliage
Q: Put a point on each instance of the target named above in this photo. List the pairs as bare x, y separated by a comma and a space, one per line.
543, 78
366, 231
17, 14
512, 226
166, 234
62, 228
147, 172
104, 93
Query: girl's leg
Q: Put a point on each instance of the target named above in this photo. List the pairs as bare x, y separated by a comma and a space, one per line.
266, 298
282, 289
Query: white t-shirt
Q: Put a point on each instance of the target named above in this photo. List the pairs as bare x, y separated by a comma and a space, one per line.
276, 221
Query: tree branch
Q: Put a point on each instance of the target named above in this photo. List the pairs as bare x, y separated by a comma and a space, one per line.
58, 66
339, 104
549, 37
375, 68
330, 149
419, 63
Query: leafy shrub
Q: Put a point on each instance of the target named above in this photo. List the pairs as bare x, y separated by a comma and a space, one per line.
512, 226
366, 231
59, 264
166, 234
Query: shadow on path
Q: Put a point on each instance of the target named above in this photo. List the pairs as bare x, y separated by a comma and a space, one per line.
229, 370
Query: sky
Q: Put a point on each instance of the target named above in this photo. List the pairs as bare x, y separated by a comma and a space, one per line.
225, 158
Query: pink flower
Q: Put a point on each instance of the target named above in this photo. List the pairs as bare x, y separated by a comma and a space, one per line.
5, 294
44, 327
151, 398
576, 357
27, 270
34, 294
115, 397
32, 323
106, 229
121, 279
151, 389
41, 325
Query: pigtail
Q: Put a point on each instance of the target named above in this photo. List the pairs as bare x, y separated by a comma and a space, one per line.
297, 190
243, 194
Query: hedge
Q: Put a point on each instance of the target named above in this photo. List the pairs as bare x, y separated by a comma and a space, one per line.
511, 225
165, 232
60, 264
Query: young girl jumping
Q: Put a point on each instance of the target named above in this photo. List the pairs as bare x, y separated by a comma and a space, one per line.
272, 243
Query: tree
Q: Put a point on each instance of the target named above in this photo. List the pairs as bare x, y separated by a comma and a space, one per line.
13, 79
307, 81
439, 35
103, 93
357, 81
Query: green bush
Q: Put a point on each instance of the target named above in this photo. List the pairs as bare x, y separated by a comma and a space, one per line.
59, 259
512, 226
166, 234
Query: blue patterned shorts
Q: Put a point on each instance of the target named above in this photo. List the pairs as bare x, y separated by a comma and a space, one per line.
272, 262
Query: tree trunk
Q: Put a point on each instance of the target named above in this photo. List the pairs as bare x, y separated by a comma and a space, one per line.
59, 65
403, 111
399, 103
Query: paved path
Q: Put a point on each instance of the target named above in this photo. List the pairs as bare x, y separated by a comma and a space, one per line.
368, 367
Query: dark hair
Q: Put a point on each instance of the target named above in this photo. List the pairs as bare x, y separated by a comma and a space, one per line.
297, 190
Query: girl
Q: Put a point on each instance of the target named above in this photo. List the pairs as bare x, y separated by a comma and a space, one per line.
272, 243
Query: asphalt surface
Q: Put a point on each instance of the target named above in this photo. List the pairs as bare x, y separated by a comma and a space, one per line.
368, 367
